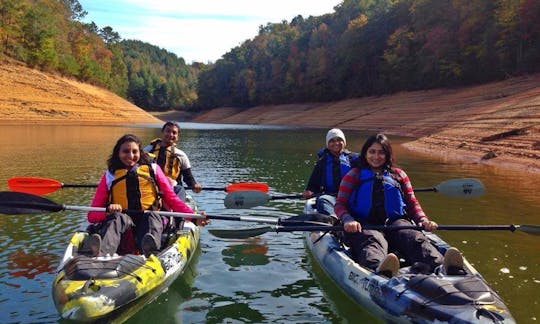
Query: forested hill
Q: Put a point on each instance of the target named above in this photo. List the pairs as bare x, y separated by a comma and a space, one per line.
374, 47
363, 48
49, 35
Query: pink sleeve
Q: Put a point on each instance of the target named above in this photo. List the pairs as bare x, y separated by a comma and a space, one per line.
169, 197
101, 199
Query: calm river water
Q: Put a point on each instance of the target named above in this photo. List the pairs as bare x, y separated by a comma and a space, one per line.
265, 279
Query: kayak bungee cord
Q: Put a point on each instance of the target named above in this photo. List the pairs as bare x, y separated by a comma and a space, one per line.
70, 268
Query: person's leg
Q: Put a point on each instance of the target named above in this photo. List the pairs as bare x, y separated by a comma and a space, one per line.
149, 230
368, 247
325, 204
111, 233
414, 245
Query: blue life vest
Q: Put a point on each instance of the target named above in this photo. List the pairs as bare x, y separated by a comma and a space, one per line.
331, 185
360, 202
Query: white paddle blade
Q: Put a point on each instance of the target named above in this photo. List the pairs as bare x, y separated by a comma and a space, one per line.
243, 199
467, 187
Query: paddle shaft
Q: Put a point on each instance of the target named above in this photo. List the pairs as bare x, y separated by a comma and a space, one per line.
423, 189
64, 185
427, 189
21, 203
181, 215
292, 196
310, 228
88, 185
46, 205
42, 186
245, 233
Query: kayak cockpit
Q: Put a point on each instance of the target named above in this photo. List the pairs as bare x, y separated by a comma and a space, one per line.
82, 267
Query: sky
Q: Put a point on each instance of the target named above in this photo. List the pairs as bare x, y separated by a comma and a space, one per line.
197, 30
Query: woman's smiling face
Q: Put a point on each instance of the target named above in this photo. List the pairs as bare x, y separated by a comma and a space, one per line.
376, 156
129, 153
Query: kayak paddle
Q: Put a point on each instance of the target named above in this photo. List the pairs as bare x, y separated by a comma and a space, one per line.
251, 232
12, 203
42, 186
251, 198
466, 187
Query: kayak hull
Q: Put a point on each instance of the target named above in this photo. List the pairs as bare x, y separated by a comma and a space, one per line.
87, 289
409, 297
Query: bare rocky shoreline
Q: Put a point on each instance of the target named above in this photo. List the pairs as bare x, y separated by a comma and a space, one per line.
496, 124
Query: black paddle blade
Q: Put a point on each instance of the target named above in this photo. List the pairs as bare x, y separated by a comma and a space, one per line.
12, 203
530, 229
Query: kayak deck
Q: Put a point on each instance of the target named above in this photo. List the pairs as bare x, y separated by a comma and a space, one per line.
409, 296
89, 288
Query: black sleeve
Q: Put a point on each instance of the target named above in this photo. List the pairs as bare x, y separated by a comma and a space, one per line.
187, 177
314, 182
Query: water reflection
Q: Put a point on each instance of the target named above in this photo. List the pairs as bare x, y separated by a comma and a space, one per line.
250, 254
227, 311
29, 265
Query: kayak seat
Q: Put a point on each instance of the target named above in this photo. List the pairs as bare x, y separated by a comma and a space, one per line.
82, 267
470, 289
438, 291
476, 288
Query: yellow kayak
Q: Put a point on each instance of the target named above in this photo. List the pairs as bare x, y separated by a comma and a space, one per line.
90, 288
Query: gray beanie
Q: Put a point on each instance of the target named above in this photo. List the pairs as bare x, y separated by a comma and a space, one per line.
335, 132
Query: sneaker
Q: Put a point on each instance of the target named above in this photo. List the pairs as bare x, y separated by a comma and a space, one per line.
148, 244
453, 262
92, 245
389, 266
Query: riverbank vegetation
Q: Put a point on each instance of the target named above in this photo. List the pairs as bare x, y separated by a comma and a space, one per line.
49, 35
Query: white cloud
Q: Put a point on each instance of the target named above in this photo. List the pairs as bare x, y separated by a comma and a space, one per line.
197, 30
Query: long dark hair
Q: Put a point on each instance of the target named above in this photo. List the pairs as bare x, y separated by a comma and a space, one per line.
114, 163
380, 138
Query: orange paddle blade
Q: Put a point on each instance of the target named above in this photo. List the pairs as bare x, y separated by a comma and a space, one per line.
34, 185
259, 186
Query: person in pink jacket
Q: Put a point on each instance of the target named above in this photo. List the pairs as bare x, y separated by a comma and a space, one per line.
131, 185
